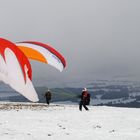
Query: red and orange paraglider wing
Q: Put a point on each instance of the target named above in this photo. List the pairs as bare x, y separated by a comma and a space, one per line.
43, 53
15, 69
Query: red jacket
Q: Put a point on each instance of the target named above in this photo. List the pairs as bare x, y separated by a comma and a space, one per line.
85, 97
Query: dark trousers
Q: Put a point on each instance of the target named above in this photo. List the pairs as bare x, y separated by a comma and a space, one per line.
48, 101
82, 103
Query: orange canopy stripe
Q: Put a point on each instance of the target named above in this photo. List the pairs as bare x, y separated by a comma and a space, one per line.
32, 54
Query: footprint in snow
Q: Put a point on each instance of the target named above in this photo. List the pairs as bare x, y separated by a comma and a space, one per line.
49, 134
59, 125
5, 133
97, 126
112, 131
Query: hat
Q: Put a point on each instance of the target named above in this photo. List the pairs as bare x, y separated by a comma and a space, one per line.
85, 89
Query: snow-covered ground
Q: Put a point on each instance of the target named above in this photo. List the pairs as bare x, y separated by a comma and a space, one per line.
66, 122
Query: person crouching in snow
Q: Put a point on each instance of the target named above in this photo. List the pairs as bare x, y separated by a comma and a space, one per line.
85, 99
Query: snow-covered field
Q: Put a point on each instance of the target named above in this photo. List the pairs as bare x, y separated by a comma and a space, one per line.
66, 122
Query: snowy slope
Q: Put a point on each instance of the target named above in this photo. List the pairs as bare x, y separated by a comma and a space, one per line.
66, 122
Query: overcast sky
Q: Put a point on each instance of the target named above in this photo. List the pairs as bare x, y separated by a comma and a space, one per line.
98, 38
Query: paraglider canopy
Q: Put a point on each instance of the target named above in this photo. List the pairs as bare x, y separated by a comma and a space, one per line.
42, 52
15, 68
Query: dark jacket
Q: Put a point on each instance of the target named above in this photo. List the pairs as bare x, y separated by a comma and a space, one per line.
48, 95
85, 97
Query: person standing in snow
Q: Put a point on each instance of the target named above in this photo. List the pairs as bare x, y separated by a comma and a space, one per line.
48, 96
85, 99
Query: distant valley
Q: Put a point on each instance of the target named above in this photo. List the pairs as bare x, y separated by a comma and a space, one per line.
103, 92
